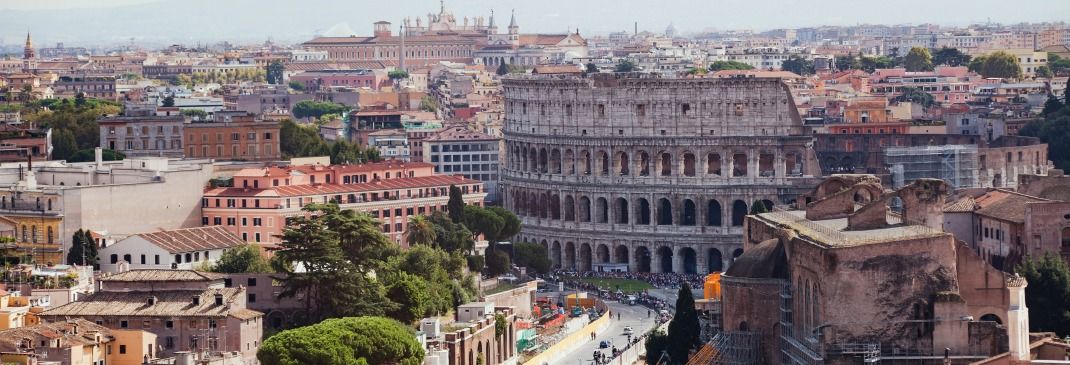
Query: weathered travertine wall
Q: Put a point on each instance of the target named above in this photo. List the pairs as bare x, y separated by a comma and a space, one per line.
653, 173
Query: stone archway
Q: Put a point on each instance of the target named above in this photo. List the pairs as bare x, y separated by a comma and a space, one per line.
714, 260
585, 257
620, 255
555, 254
688, 261
570, 256
602, 253
643, 259
664, 260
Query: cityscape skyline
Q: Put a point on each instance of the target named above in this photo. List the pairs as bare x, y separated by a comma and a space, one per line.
76, 23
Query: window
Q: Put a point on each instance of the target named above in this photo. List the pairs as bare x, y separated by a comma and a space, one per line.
169, 324
251, 282
122, 349
251, 298
123, 324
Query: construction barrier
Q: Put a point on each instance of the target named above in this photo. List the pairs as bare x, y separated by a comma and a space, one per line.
553, 354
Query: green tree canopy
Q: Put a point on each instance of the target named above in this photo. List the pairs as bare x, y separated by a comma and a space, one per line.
590, 68
657, 345
87, 155
420, 231
411, 293
275, 71
1044, 71
242, 259
532, 256
683, 328
510, 226
625, 66
316, 109
497, 262
915, 95
798, 65
997, 64
296, 85
1047, 293
483, 222
1054, 130
455, 206
758, 207
918, 59
449, 235
344, 341
397, 74
728, 65
63, 144
503, 69
947, 56
168, 101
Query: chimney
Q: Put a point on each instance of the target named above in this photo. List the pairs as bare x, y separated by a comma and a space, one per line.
152, 300
98, 157
1018, 320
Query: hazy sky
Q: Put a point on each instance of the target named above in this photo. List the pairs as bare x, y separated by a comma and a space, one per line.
114, 21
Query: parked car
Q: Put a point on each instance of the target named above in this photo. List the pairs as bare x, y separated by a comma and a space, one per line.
628, 330
604, 344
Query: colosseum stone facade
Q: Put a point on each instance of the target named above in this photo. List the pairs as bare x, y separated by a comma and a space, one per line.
648, 173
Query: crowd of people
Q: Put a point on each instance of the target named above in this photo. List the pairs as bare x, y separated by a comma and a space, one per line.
658, 280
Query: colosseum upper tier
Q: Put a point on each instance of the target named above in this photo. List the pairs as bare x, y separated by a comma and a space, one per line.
649, 174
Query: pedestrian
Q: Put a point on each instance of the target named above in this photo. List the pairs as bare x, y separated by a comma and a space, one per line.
618, 316
647, 313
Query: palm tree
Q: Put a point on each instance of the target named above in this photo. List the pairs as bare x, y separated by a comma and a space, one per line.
421, 231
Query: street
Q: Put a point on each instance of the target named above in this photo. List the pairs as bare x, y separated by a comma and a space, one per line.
634, 316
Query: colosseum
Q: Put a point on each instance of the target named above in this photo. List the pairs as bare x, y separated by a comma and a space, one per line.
645, 173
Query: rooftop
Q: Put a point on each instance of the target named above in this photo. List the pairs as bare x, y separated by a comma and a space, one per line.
833, 233
193, 239
168, 303
320, 189
155, 275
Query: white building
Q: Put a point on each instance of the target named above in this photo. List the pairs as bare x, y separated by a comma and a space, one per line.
307, 56
184, 249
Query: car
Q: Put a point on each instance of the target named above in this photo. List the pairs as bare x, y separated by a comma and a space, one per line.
604, 344
628, 330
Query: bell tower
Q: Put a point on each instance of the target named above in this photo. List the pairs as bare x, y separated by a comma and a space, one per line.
27, 50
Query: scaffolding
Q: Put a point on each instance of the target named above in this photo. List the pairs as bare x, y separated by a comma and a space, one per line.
955, 164
737, 347
869, 352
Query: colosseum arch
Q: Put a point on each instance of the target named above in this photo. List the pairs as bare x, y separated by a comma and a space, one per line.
570, 162
643, 259
688, 163
585, 209
622, 163
765, 165
570, 208
665, 164
585, 162
714, 260
555, 161
555, 254
555, 206
739, 211
620, 254
688, 214
585, 257
664, 212
602, 163
620, 211
601, 210
792, 164
570, 255
602, 254
533, 160
713, 213
664, 258
768, 205
543, 160
514, 157
533, 205
688, 260
713, 163
544, 207
739, 165
642, 163
642, 211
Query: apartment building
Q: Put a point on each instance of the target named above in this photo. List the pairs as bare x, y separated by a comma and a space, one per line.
256, 208
144, 132
239, 136
472, 154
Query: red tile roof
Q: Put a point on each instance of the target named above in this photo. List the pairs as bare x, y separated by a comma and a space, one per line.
193, 239
321, 189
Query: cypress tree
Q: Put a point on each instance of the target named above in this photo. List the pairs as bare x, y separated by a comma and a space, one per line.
684, 328
456, 205
75, 254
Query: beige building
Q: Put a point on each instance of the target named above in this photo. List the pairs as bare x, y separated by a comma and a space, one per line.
187, 311
75, 342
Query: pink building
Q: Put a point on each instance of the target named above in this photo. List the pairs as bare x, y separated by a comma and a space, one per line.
323, 79
257, 206
947, 85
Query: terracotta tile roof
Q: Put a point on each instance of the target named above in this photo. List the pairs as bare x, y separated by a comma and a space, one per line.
193, 239
74, 332
557, 69
757, 73
460, 134
364, 167
704, 356
321, 189
169, 303
545, 39
1011, 207
244, 314
156, 275
964, 205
